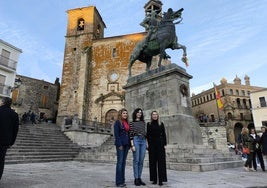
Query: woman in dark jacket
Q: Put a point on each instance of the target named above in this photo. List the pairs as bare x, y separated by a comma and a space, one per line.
121, 129
257, 152
264, 140
156, 138
248, 142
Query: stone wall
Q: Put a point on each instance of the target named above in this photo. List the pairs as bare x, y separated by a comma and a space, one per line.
215, 137
166, 90
37, 96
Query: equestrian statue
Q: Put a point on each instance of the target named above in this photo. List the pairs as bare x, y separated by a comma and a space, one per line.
161, 35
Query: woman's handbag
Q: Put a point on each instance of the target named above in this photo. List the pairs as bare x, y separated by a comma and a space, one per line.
246, 150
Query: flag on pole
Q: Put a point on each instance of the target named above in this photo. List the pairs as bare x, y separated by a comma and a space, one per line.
218, 98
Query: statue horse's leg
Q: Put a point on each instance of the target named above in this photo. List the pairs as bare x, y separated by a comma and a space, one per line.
148, 63
177, 46
180, 46
132, 60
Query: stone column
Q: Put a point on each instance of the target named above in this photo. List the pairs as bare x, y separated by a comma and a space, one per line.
165, 90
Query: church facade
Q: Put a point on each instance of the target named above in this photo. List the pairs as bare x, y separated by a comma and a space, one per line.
95, 68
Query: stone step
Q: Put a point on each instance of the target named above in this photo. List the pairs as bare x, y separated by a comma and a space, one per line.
41, 143
34, 156
19, 161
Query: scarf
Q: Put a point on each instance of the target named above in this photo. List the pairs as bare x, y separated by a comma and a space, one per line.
125, 125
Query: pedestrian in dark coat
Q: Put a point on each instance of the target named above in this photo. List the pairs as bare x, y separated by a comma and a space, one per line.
9, 125
156, 138
264, 141
257, 153
248, 142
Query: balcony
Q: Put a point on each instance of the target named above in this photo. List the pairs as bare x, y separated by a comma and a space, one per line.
8, 63
5, 90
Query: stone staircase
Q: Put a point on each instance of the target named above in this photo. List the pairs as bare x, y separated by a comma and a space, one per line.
41, 143
197, 158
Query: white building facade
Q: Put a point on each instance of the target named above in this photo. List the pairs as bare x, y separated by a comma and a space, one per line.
259, 108
9, 56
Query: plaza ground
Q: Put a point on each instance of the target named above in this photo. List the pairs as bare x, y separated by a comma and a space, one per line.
75, 174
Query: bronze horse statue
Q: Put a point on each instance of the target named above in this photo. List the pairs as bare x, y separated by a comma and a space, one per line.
163, 37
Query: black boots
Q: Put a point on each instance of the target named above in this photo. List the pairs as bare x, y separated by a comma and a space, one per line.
141, 182
138, 182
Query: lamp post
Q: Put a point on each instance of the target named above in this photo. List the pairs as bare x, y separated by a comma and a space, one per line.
17, 84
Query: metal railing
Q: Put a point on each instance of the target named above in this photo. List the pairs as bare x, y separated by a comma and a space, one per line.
72, 124
5, 90
7, 62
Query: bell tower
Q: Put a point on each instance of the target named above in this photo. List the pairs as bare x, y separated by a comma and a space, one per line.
84, 25
153, 5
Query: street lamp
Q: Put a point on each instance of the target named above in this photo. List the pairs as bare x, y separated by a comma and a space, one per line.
18, 83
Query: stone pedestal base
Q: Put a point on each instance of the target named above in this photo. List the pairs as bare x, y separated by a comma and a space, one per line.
165, 90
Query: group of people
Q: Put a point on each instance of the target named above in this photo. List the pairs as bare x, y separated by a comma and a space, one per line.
140, 136
255, 147
30, 116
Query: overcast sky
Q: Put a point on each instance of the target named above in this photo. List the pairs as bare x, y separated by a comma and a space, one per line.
224, 38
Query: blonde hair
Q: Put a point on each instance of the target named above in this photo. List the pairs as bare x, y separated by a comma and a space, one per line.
244, 130
120, 114
151, 119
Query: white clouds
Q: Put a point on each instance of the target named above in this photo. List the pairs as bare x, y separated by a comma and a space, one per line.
217, 33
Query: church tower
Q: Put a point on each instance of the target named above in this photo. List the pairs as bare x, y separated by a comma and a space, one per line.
153, 5
84, 25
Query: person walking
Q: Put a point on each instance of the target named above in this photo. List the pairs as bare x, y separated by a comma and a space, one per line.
121, 133
264, 142
33, 118
248, 142
257, 154
156, 138
138, 144
9, 126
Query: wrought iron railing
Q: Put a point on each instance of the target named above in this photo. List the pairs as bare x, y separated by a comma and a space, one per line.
71, 124
5, 90
7, 62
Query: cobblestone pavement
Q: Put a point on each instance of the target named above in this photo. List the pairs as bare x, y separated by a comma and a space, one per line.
90, 175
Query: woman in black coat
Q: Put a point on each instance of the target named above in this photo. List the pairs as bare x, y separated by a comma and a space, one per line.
264, 141
156, 138
257, 152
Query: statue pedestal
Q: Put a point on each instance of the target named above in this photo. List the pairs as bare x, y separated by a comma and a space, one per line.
165, 90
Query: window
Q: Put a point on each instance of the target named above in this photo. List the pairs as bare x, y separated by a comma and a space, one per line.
114, 52
231, 92
243, 93
210, 96
248, 93
44, 101
5, 55
262, 101
241, 116
45, 87
80, 24
238, 103
229, 115
2, 83
222, 92
245, 103
237, 92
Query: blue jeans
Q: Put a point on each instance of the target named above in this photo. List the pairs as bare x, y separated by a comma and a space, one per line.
139, 155
121, 163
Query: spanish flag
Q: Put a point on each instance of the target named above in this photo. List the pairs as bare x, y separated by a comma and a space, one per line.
218, 98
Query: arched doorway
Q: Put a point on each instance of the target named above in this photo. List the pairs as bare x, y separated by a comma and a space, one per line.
237, 130
111, 116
